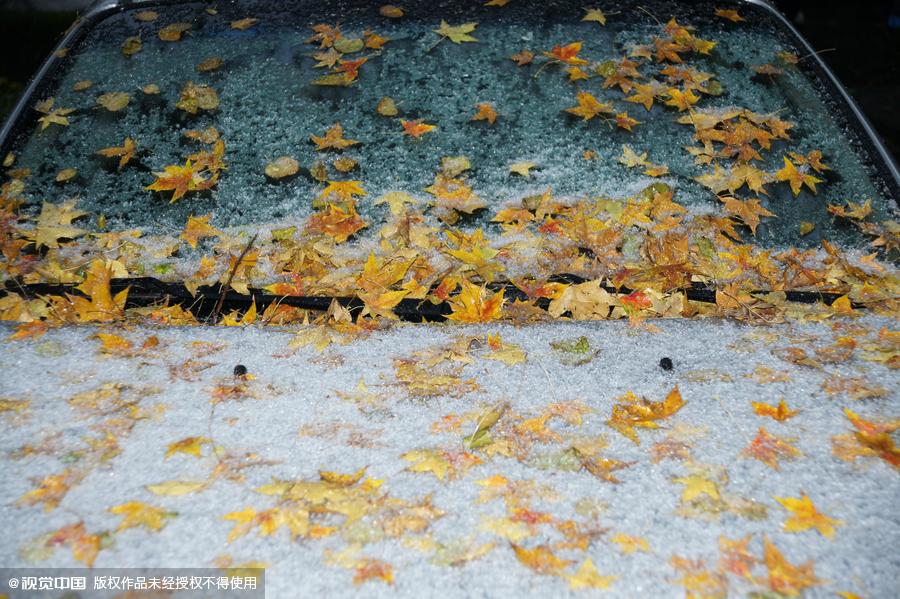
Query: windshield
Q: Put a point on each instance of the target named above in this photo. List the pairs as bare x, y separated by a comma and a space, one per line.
393, 155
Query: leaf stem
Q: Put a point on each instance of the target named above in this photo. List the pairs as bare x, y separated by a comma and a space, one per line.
224, 289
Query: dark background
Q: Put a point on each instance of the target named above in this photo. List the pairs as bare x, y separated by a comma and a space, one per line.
865, 37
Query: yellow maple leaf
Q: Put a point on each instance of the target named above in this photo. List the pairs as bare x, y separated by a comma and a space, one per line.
522, 168
114, 101
594, 14
396, 200
456, 34
57, 116
283, 166
510, 353
141, 514
631, 544
126, 152
344, 190
189, 445
244, 521
114, 344
428, 460
588, 106
54, 223
243, 24
796, 178
512, 530
382, 304
588, 577
697, 485
806, 516
178, 487
631, 159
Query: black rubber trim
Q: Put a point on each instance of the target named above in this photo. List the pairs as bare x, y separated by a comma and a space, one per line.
147, 291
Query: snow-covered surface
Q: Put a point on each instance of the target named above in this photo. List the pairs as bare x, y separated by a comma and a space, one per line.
306, 412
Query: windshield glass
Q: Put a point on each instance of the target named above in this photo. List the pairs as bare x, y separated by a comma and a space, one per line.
371, 151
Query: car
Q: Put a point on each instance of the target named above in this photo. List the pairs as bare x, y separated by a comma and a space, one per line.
455, 298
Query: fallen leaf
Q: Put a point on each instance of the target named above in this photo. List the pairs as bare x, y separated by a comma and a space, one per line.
806, 516
456, 34
768, 448
588, 577
541, 559
179, 487
284, 166
140, 514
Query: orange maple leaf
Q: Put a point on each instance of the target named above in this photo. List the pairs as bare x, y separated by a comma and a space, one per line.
625, 122
337, 221
522, 59
181, 179
682, 100
416, 128
779, 412
735, 556
485, 113
785, 578
729, 14
749, 210
198, 227
767, 69
636, 300
882, 444
85, 547
175, 178
603, 468
333, 139
31, 330
350, 67
475, 304
635, 411
767, 448
871, 428
567, 54
126, 151
370, 567
102, 306
541, 559
52, 489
